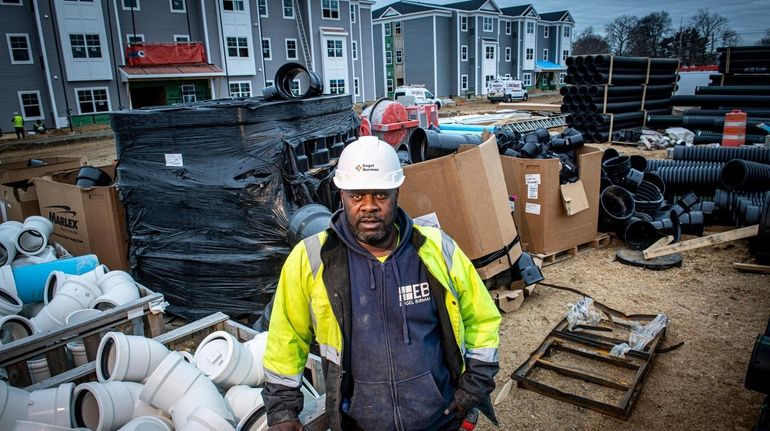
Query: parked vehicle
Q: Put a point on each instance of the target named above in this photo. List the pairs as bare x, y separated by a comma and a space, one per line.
421, 95
506, 90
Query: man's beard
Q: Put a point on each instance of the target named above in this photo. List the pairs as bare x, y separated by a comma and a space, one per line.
376, 238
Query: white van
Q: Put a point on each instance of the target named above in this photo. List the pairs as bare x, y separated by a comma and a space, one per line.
506, 90
421, 95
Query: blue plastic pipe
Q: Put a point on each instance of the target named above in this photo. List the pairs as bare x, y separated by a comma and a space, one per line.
30, 280
465, 127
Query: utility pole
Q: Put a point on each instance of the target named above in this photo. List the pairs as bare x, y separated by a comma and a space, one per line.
680, 39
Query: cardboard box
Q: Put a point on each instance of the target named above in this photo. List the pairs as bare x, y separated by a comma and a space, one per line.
90, 220
18, 199
553, 217
507, 300
466, 191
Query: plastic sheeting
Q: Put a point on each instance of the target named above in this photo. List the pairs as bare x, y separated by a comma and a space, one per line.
208, 188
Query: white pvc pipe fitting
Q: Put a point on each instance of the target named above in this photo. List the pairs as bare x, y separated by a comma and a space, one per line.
74, 295
38, 369
255, 420
149, 423
187, 356
13, 405
227, 361
10, 303
180, 389
204, 419
37, 426
57, 278
48, 406
118, 287
108, 406
243, 399
8, 233
33, 236
129, 358
77, 348
14, 328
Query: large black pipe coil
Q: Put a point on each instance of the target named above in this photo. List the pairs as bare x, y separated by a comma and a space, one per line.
744, 175
722, 154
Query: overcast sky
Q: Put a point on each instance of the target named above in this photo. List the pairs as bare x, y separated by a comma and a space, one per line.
749, 18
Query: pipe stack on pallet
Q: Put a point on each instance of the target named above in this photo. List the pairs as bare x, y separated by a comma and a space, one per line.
742, 65
608, 93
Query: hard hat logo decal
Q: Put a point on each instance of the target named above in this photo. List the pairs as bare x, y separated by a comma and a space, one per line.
359, 167
369, 168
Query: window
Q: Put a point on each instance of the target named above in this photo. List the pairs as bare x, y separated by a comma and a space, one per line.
489, 52
561, 78
262, 8
566, 31
91, 100
564, 55
131, 4
353, 13
268, 82
330, 9
389, 84
527, 79
334, 48
288, 9
463, 23
188, 93
237, 47
464, 53
397, 27
507, 53
399, 56
134, 38
337, 86
240, 89
11, 2
530, 54
177, 6
387, 29
388, 57
85, 46
181, 38
291, 49
545, 55
530, 27
508, 27
232, 5
295, 87
488, 23
355, 86
18, 46
488, 78
266, 51
464, 82
354, 48
30, 105
545, 31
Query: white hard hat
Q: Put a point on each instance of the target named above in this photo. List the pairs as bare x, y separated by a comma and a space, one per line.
368, 164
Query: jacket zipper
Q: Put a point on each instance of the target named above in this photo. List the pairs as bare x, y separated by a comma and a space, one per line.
388, 351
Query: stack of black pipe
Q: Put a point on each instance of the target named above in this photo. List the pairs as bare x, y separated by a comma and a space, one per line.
742, 65
608, 93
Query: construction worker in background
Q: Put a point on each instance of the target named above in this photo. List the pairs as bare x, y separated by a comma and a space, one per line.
406, 328
18, 125
38, 127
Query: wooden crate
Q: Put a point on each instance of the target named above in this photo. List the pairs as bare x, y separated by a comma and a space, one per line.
143, 316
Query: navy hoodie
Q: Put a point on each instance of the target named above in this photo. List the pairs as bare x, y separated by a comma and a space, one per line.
400, 380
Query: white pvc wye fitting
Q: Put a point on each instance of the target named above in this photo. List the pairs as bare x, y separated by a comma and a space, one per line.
37, 426
108, 406
8, 233
33, 236
57, 278
10, 303
38, 369
130, 358
118, 287
74, 295
243, 399
149, 423
227, 361
204, 419
14, 328
179, 388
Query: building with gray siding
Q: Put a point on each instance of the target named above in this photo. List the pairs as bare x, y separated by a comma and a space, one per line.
455, 49
71, 61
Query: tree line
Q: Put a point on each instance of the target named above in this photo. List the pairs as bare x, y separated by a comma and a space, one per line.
695, 42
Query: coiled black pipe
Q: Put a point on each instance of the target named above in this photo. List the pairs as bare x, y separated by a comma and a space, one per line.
655, 164
700, 179
733, 100
709, 138
722, 154
734, 89
744, 175
749, 112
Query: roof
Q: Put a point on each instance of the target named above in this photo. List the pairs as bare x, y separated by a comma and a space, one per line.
467, 5
404, 8
555, 16
171, 71
516, 10
546, 66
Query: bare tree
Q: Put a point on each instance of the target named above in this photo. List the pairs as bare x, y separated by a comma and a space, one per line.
766, 39
588, 42
619, 33
711, 25
649, 33
729, 38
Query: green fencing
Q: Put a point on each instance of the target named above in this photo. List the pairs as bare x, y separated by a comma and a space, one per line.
89, 119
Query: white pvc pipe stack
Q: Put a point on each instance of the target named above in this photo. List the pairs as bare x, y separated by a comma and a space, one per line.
8, 233
33, 236
131, 358
109, 406
228, 362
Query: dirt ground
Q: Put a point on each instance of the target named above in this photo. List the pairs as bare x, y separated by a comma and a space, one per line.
716, 311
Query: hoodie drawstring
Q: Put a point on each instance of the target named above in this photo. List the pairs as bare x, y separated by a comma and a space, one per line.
372, 284
405, 322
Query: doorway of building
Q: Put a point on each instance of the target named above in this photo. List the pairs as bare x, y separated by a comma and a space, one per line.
148, 96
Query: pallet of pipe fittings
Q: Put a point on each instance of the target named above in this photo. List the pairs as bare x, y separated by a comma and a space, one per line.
143, 316
602, 240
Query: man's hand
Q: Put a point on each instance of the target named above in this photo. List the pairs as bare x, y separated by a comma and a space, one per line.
455, 409
286, 426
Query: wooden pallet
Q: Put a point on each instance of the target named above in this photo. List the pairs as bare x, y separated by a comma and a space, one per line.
602, 240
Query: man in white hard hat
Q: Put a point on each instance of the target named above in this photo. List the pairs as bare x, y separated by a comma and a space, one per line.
406, 328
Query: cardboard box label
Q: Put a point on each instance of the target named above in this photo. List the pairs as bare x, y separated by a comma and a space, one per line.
430, 220
532, 178
532, 208
531, 191
174, 160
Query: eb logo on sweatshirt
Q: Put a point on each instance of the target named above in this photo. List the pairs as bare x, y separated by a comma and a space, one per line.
413, 294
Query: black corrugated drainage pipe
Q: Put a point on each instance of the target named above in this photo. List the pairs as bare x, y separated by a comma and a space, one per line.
749, 112
745, 175
722, 154
648, 198
616, 204
655, 164
701, 179
655, 180
704, 137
